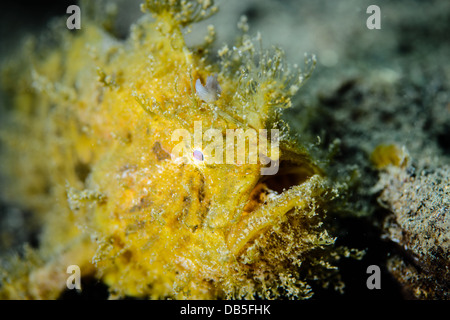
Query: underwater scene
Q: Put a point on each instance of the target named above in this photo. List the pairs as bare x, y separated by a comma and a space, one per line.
225, 150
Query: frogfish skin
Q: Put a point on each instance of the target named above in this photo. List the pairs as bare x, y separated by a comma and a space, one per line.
88, 148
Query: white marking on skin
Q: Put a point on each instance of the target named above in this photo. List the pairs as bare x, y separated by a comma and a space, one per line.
211, 91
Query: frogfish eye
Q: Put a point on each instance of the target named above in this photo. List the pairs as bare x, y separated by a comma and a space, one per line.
198, 155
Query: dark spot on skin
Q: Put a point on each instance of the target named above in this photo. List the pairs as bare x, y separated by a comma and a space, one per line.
82, 170
160, 153
127, 255
129, 137
201, 189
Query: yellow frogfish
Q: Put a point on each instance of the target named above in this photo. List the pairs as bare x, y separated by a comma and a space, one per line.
163, 170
